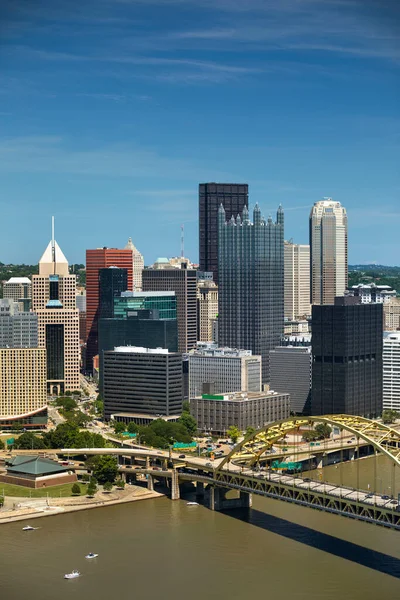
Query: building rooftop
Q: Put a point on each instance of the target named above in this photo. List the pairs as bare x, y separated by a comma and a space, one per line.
19, 280
212, 349
34, 465
240, 396
145, 294
140, 350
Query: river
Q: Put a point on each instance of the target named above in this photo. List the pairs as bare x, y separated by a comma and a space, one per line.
162, 549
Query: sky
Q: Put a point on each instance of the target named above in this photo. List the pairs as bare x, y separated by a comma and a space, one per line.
113, 111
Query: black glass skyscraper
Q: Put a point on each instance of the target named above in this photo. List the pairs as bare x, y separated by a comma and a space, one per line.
347, 345
233, 197
251, 277
112, 282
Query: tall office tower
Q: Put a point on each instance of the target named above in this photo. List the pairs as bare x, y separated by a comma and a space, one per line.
184, 283
328, 247
347, 358
391, 315
54, 302
297, 280
112, 282
391, 371
233, 197
17, 329
207, 309
220, 370
138, 265
23, 393
290, 368
142, 384
101, 258
251, 283
18, 289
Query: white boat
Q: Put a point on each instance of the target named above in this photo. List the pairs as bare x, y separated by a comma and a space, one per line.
91, 555
192, 504
72, 575
29, 528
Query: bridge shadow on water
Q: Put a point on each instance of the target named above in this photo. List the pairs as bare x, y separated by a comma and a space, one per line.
384, 563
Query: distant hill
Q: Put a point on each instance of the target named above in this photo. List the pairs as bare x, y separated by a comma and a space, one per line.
379, 274
7, 271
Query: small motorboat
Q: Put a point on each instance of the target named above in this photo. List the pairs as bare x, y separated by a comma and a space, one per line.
72, 575
91, 555
29, 528
192, 504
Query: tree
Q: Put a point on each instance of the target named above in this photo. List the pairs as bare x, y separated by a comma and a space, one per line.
76, 490
234, 433
120, 483
99, 406
29, 441
188, 422
67, 403
2, 445
104, 468
132, 427
16, 427
389, 416
118, 427
310, 435
92, 489
186, 406
323, 431
250, 431
107, 487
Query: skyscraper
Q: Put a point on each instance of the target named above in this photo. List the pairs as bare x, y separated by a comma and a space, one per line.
138, 265
328, 246
54, 302
184, 283
207, 309
297, 281
347, 358
251, 288
391, 371
17, 329
112, 282
233, 197
100, 258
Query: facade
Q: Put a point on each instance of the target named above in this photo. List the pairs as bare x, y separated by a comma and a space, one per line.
184, 283
137, 265
216, 413
297, 280
296, 327
54, 302
234, 197
142, 381
207, 309
222, 370
36, 472
347, 358
328, 248
163, 302
251, 283
17, 329
101, 258
391, 314
23, 393
291, 372
112, 282
18, 289
382, 294
391, 371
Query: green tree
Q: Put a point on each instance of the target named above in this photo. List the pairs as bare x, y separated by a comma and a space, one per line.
99, 406
92, 489
104, 468
15, 427
323, 431
118, 427
188, 422
2, 444
120, 483
389, 416
186, 406
76, 490
107, 487
29, 441
250, 431
234, 433
132, 427
67, 403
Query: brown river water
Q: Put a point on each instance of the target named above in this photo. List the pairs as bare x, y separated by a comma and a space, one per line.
162, 549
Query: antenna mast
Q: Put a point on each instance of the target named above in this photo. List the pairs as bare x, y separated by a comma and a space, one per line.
53, 245
182, 241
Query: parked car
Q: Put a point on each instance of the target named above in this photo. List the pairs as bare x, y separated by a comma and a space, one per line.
182, 456
385, 497
208, 464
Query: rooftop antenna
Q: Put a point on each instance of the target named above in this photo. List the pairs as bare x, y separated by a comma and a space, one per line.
53, 245
182, 241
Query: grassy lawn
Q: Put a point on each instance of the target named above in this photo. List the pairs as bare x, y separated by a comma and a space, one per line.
56, 491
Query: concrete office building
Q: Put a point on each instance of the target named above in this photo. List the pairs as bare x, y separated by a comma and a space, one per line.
207, 309
17, 289
234, 197
184, 283
216, 413
347, 358
101, 258
251, 283
142, 382
291, 372
391, 371
23, 394
391, 315
17, 329
137, 265
381, 294
54, 302
297, 280
328, 247
221, 370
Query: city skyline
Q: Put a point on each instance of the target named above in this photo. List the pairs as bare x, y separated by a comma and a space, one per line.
112, 129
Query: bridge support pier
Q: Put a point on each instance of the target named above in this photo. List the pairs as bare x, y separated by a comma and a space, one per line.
150, 483
175, 493
147, 462
218, 500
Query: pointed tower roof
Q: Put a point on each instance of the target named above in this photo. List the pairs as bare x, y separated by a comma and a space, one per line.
53, 261
130, 245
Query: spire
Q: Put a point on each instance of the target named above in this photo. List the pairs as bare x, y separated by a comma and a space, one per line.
280, 217
245, 215
238, 220
53, 261
257, 215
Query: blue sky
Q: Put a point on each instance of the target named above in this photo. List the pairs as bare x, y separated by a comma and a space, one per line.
112, 112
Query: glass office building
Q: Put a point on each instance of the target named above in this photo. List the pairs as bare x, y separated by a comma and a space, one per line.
163, 302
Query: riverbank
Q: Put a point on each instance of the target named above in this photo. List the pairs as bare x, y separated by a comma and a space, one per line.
22, 509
